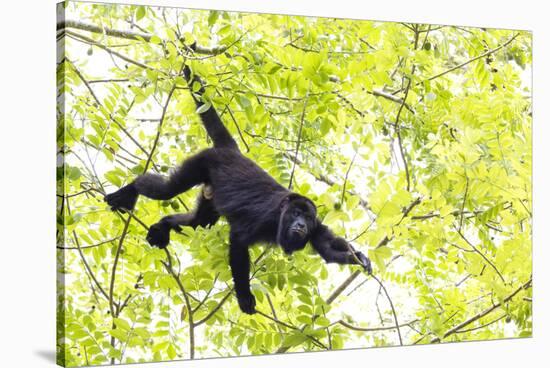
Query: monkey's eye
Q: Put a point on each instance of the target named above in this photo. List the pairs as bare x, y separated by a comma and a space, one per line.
296, 213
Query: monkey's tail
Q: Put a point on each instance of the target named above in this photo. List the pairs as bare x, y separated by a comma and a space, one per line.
210, 118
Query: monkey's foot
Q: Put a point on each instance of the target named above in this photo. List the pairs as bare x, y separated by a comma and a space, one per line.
247, 303
123, 199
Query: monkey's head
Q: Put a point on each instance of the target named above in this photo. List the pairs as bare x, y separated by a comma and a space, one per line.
296, 223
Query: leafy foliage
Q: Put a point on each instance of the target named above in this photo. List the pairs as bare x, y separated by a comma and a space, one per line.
414, 141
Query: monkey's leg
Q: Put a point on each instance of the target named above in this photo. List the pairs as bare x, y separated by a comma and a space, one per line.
204, 215
239, 261
191, 172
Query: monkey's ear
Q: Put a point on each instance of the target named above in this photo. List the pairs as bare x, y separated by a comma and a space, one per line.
284, 203
287, 199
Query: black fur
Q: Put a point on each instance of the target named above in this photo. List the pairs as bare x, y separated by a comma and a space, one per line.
257, 208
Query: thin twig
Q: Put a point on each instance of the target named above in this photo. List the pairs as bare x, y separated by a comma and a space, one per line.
481, 254
326, 179
216, 308
299, 139
274, 319
162, 118
482, 326
399, 139
463, 204
168, 266
483, 313
115, 263
110, 116
272, 309
112, 304
315, 340
374, 329
89, 246
89, 41
492, 51
73, 195
392, 309
346, 179
472, 60
87, 266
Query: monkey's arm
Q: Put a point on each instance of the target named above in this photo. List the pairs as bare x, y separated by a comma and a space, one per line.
203, 215
334, 249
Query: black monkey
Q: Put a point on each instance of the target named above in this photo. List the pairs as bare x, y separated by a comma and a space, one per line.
257, 208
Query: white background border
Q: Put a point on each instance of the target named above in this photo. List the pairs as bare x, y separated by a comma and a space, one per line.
27, 148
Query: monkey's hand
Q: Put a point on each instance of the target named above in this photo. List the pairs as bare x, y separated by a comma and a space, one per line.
159, 235
123, 199
247, 303
364, 261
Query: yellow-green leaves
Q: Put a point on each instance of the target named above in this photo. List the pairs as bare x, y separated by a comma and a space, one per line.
140, 12
464, 144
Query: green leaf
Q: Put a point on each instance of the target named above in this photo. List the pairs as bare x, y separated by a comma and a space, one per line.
140, 12
294, 339
113, 177
156, 40
213, 17
118, 334
171, 351
120, 323
322, 321
203, 108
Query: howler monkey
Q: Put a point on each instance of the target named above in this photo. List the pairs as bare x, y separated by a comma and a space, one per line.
257, 208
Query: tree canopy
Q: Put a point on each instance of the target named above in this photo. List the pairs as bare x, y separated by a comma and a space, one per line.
414, 141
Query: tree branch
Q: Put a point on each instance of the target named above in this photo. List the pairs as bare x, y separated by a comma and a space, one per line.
127, 34
483, 313
336, 293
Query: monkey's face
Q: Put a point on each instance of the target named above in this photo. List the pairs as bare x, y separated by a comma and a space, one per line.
298, 218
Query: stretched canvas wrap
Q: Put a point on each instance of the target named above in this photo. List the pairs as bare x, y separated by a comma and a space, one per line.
412, 140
